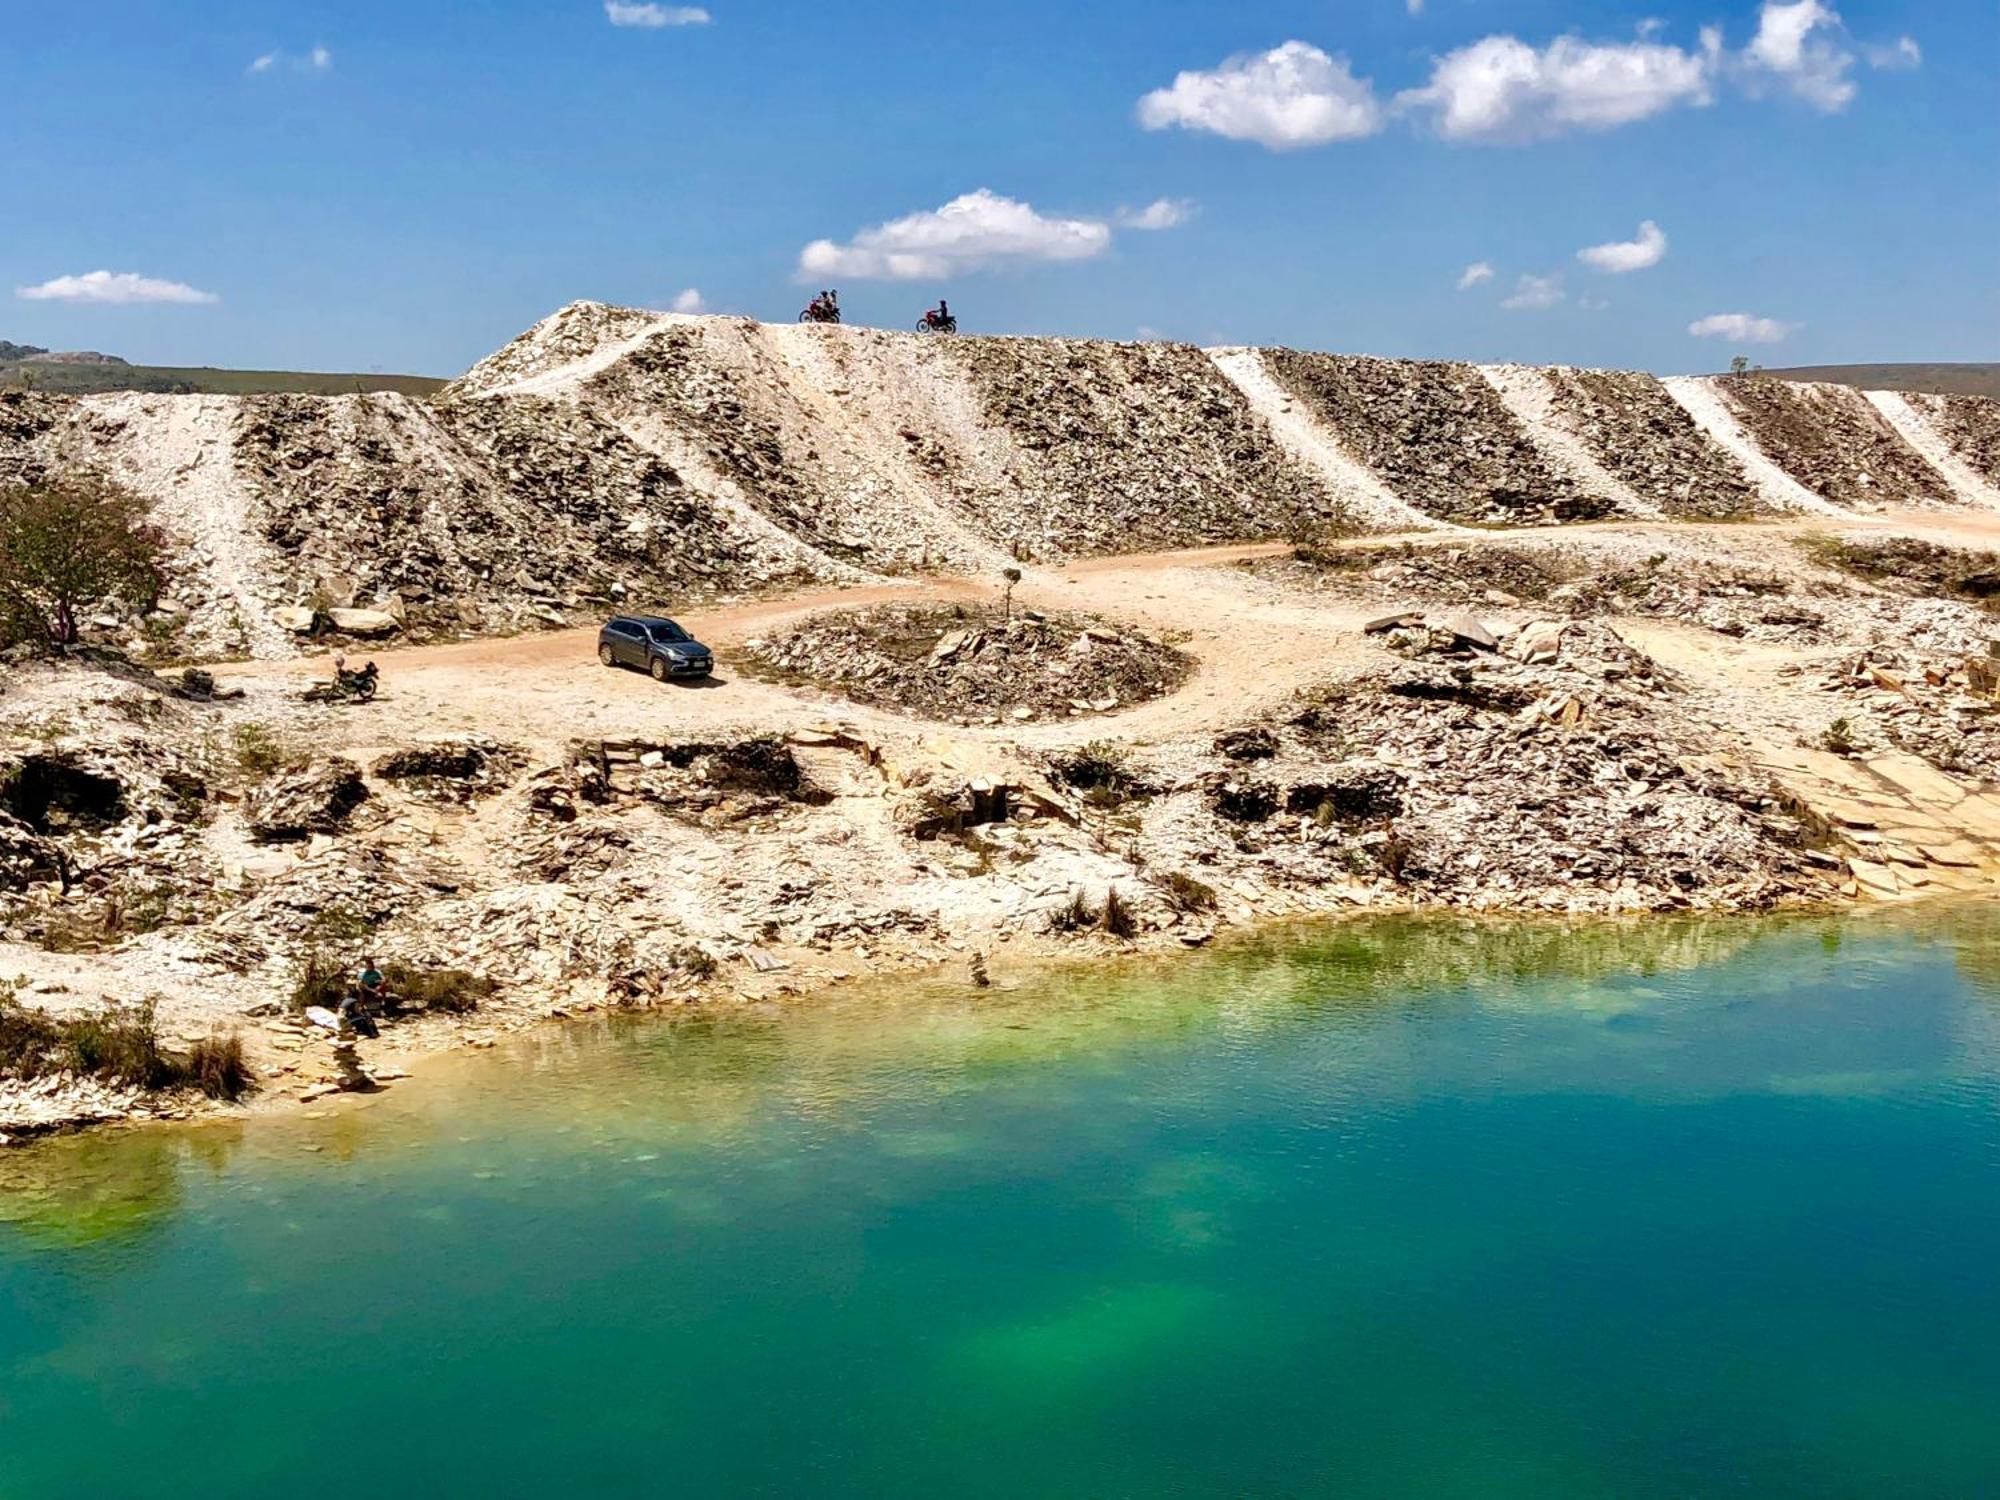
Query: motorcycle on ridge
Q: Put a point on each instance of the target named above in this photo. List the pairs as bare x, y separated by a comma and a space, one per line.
821, 310
934, 322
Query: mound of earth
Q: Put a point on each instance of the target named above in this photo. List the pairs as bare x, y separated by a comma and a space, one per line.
1128, 447
1970, 424
945, 662
1439, 434
1834, 443
1586, 755
1642, 436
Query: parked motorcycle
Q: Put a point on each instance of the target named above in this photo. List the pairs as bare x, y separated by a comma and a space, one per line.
346, 687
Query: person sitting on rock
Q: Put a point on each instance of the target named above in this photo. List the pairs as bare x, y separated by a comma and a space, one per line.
371, 983
356, 1013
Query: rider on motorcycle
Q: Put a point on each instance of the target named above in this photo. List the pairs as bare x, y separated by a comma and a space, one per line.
939, 316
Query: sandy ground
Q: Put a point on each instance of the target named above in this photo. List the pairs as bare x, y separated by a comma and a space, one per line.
1258, 643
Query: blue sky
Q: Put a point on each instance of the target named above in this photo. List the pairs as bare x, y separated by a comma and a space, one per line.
406, 185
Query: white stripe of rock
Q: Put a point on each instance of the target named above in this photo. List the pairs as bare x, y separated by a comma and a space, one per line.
1915, 427
1311, 444
179, 452
1701, 400
1524, 390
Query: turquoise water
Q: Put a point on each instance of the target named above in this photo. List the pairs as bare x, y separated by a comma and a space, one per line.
1395, 1210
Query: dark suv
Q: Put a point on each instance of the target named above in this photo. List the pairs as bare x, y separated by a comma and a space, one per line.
655, 643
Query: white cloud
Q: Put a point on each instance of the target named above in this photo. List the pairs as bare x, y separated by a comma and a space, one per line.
1416, 7
690, 301
1535, 294
1623, 256
1161, 213
1473, 275
1740, 328
1898, 56
652, 17
114, 288
1592, 304
1502, 90
1801, 47
972, 231
319, 60
1294, 95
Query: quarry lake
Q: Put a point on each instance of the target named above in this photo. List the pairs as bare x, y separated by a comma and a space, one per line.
1390, 1209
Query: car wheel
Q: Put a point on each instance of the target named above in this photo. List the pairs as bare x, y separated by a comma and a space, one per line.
604, 654
659, 669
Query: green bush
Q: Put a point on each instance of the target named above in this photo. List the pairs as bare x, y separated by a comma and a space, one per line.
68, 546
119, 1044
215, 1065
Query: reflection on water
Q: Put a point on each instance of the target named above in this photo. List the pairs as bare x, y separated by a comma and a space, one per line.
1649, 1209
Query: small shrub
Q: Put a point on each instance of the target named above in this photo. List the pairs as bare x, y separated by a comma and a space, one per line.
1839, 738
262, 752
1074, 915
120, 1044
1102, 772
321, 981
1189, 894
215, 1066
694, 961
1393, 854
452, 992
1116, 918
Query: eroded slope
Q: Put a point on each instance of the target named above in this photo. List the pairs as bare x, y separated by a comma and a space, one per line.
1438, 434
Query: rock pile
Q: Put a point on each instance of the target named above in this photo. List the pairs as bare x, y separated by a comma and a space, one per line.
1126, 447
1605, 788
26, 423
1439, 434
295, 805
677, 376
1644, 437
1943, 706
946, 662
1971, 424
452, 770
466, 515
1833, 442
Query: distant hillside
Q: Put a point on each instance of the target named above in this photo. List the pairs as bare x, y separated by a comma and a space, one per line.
60, 377
11, 353
1944, 380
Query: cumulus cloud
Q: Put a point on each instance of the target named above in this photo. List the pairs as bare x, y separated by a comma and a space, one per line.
1740, 328
319, 60
1503, 90
973, 231
1801, 47
652, 17
1622, 256
690, 301
1473, 275
1535, 294
114, 288
1294, 95
1161, 213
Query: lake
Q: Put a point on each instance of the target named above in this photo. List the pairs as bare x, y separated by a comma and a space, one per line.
1394, 1208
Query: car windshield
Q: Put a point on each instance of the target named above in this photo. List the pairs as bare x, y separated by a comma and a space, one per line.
669, 633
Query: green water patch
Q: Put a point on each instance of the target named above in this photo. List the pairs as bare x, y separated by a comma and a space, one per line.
1405, 1209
